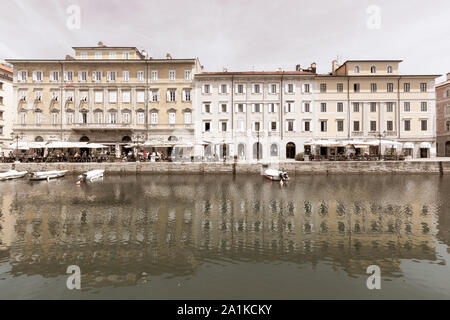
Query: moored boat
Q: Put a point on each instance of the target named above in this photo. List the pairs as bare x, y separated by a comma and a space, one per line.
276, 175
12, 174
91, 176
47, 175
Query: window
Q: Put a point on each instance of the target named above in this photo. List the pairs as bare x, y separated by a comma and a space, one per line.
154, 118
23, 118
187, 75
37, 76
1, 130
390, 87
290, 126
38, 117
98, 55
406, 87
407, 106
125, 55
125, 76
83, 55
340, 87
187, 118
140, 118
172, 75
256, 88
82, 76
1, 101
223, 108
356, 69
240, 88
272, 107
290, 88
356, 87
206, 108
407, 125
390, 125
1, 115
389, 69
98, 96
207, 126
373, 107
54, 76
423, 87
223, 88
154, 95
186, 95
355, 106
154, 75
69, 117
68, 76
307, 107
126, 118
273, 126
274, 150
289, 106
323, 107
83, 116
355, 126
423, 125
206, 88
38, 95
373, 87
340, 107
307, 126
257, 126
273, 88
140, 96
126, 96
112, 55
389, 107
423, 106
99, 117
447, 125
323, 87
257, 107
240, 107
22, 76
172, 118
240, 125
171, 95
223, 126
306, 88
373, 126
373, 69
140, 76
111, 76
54, 118
112, 96
97, 76
113, 117
323, 126
340, 125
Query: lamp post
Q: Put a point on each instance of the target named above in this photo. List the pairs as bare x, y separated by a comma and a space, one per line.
380, 135
16, 136
137, 139
257, 147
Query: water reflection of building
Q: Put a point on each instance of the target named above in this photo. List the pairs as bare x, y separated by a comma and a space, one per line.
118, 233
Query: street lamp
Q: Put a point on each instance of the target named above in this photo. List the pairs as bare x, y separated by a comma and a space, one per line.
16, 136
380, 135
257, 147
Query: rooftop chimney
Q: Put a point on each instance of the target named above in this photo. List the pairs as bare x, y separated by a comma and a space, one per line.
448, 75
334, 66
297, 68
313, 67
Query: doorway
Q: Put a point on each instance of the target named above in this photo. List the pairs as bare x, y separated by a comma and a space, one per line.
290, 150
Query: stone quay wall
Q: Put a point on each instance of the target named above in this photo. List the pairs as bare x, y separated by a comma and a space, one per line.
293, 168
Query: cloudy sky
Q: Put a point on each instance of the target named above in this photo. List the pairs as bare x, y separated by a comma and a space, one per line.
237, 34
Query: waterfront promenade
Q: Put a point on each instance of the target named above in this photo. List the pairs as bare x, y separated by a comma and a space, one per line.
419, 166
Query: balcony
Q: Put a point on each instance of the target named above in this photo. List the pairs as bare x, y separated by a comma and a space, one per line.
101, 126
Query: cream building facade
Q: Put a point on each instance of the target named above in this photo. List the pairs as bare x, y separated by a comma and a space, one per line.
112, 95
6, 107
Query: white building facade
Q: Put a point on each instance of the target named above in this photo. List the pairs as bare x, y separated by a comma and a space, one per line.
7, 110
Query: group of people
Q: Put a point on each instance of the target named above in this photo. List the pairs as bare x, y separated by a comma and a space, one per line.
143, 156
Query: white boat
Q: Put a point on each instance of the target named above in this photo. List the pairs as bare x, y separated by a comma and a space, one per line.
91, 176
47, 175
276, 175
12, 174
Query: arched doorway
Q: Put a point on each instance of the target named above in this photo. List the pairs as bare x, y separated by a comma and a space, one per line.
257, 151
447, 149
290, 150
126, 139
39, 139
84, 139
241, 151
274, 150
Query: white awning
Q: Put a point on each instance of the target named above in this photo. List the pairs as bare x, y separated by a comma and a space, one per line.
65, 145
425, 145
24, 145
95, 146
408, 145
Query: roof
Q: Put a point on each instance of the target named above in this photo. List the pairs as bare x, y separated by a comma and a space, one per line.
256, 73
443, 83
368, 61
6, 68
109, 48
15, 61
380, 75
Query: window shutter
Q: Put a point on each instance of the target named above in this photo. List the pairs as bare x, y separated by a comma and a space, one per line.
277, 126
253, 88
228, 88
286, 88
94, 78
253, 107
303, 107
295, 125
253, 126
176, 93
245, 88
34, 75
168, 95
245, 107
285, 107
203, 108
51, 76
183, 95
79, 75
236, 107
286, 126
108, 76
275, 107
293, 87
65, 76
203, 88
235, 88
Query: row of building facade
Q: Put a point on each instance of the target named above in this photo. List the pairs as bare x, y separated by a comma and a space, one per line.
119, 96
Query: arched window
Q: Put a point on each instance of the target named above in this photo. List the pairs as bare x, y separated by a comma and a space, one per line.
241, 151
84, 139
39, 139
208, 150
274, 150
126, 139
389, 69
447, 126
373, 69
356, 70
257, 151
290, 150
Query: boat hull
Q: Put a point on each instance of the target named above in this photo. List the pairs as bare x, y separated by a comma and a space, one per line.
12, 174
37, 176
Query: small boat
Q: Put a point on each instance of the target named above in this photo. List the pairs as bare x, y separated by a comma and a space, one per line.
276, 175
91, 176
47, 175
12, 174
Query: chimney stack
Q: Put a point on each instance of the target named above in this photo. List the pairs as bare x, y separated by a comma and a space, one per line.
334, 66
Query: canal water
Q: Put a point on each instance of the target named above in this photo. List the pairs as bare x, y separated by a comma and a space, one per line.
219, 237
